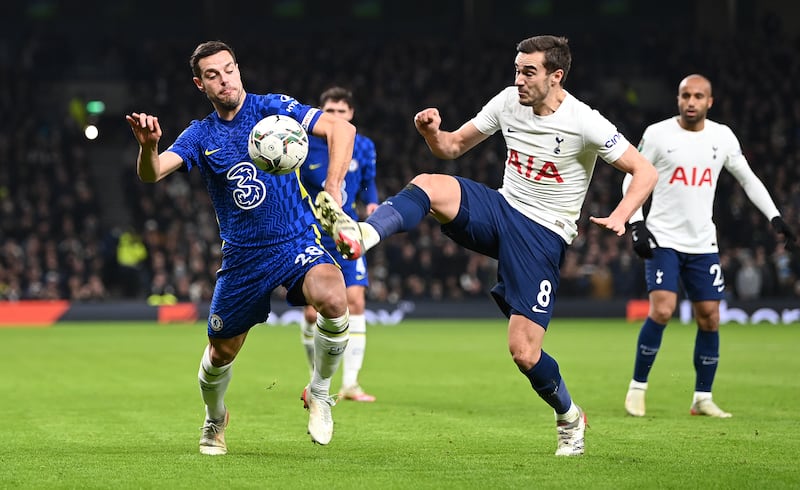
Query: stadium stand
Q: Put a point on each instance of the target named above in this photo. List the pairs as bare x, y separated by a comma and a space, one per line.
75, 224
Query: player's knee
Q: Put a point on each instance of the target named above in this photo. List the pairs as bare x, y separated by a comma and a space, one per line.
661, 313
524, 358
423, 181
331, 303
433, 183
708, 323
223, 353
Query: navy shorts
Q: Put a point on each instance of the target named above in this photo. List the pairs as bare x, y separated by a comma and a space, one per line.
248, 277
529, 256
701, 274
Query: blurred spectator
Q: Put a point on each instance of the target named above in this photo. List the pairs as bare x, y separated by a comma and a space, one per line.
53, 241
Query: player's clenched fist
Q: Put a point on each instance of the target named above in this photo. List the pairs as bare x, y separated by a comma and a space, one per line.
427, 120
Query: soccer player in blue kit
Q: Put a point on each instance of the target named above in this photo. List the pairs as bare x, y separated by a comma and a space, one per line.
358, 186
553, 142
269, 233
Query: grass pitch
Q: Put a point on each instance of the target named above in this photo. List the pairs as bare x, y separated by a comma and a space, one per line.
117, 405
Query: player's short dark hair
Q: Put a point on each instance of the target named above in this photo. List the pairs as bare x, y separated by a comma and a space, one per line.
336, 94
556, 52
206, 49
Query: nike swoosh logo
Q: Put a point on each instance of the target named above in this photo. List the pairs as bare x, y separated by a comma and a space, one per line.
536, 309
670, 150
314, 166
359, 277
511, 130
211, 152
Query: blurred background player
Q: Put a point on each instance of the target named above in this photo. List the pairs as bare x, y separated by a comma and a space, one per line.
255, 256
678, 239
553, 142
358, 186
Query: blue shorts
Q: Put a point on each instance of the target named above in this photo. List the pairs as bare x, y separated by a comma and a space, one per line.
529, 256
248, 277
354, 271
701, 274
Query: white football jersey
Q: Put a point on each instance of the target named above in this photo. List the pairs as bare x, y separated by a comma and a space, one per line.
689, 164
550, 159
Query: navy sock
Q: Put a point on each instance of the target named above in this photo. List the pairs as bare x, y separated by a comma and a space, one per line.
646, 349
547, 382
401, 212
706, 359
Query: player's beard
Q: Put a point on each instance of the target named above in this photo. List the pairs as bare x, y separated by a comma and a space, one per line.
229, 103
694, 118
533, 96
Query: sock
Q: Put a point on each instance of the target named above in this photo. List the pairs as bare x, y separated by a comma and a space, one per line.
706, 359
647, 348
546, 381
330, 341
401, 212
213, 385
700, 395
307, 339
354, 354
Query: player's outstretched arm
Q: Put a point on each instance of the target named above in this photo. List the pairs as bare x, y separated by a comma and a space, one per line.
445, 144
340, 136
150, 166
644, 177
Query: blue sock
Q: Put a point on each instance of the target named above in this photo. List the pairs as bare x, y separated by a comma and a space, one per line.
646, 349
706, 358
547, 382
401, 212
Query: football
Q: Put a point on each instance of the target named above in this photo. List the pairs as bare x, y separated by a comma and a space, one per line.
278, 144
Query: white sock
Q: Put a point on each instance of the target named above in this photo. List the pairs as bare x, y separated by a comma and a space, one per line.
637, 385
213, 385
330, 342
369, 235
307, 338
701, 395
571, 415
354, 354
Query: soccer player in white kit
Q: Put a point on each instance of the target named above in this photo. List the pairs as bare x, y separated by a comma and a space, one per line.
553, 141
678, 239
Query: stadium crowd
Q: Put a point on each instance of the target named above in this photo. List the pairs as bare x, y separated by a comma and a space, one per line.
53, 243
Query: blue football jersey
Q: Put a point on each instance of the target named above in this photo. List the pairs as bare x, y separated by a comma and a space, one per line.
359, 182
254, 208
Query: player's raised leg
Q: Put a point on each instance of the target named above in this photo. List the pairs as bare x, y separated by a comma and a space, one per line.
401, 212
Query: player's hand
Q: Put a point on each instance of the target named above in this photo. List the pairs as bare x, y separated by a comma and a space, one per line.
145, 128
427, 121
610, 223
790, 239
643, 240
336, 193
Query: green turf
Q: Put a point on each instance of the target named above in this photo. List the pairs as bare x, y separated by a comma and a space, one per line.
118, 406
